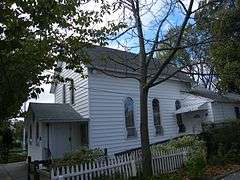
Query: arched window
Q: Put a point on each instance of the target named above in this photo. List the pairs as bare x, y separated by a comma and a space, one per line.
181, 126
129, 117
156, 117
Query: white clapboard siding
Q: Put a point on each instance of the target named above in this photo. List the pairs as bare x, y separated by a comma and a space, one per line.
81, 91
106, 108
223, 111
124, 166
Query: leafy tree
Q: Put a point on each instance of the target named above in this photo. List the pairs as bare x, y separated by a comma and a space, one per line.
221, 22
34, 34
226, 49
18, 126
6, 140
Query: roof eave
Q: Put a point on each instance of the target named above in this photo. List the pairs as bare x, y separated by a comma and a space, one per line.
99, 69
49, 120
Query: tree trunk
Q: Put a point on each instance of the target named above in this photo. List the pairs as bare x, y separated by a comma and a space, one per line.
147, 159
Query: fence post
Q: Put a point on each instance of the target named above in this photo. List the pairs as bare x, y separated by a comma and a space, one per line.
134, 169
29, 167
35, 167
52, 174
106, 156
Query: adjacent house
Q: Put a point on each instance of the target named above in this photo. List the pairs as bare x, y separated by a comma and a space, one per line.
102, 111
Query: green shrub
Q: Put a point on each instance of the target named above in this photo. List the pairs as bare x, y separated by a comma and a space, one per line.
196, 163
196, 159
79, 156
184, 141
222, 140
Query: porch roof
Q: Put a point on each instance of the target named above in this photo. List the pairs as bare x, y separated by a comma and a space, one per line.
54, 112
218, 97
195, 107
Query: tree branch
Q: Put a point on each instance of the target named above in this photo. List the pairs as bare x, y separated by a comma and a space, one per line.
122, 33
155, 44
180, 69
149, 84
107, 72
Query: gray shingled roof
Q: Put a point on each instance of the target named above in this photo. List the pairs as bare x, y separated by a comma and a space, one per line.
125, 62
226, 98
54, 112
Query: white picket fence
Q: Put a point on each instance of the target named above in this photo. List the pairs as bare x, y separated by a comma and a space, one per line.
124, 166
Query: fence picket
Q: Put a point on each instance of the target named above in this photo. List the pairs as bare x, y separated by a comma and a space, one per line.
76, 171
125, 165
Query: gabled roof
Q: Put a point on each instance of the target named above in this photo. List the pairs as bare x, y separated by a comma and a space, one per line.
226, 98
53, 112
126, 62
117, 61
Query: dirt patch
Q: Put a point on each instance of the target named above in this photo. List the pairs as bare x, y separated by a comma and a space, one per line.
211, 171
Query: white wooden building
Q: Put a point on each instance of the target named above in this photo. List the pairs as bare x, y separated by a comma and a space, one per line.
108, 109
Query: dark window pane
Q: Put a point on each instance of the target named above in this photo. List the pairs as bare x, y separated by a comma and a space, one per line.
237, 112
30, 129
129, 117
72, 91
64, 93
84, 134
177, 104
159, 130
131, 132
37, 133
156, 117
30, 134
181, 126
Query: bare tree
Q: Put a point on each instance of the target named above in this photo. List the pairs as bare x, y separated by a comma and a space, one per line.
147, 70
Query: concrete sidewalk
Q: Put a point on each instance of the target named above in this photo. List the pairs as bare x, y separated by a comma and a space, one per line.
13, 171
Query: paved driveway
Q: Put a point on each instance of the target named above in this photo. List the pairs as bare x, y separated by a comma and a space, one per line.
13, 171
234, 176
